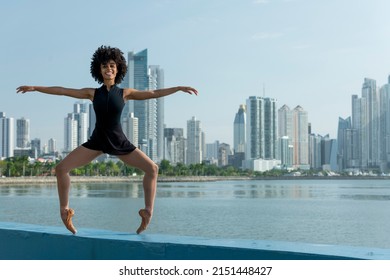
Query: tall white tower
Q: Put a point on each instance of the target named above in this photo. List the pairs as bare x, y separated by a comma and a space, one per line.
194, 141
7, 134
130, 128
70, 133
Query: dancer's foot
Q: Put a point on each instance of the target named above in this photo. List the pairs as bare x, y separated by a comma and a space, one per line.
66, 216
146, 217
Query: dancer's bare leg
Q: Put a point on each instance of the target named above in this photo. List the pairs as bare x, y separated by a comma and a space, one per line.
78, 157
141, 161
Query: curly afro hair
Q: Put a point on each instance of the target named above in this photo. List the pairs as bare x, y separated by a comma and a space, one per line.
101, 56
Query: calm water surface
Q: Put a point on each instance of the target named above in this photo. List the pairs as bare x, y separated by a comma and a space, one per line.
344, 212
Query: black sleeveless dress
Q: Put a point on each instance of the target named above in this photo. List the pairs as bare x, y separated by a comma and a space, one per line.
108, 135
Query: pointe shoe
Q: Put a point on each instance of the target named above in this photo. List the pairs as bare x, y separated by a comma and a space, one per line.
68, 221
146, 217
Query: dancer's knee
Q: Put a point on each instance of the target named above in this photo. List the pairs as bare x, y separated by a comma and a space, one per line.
153, 170
61, 169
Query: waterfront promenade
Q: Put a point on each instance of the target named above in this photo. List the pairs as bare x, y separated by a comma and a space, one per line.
161, 178
113, 179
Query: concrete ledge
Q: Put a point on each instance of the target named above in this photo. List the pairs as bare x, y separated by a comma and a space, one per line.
34, 242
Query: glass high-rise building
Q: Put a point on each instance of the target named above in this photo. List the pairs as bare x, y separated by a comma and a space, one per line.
366, 120
262, 128
22, 133
370, 123
150, 113
239, 130
384, 129
345, 143
36, 149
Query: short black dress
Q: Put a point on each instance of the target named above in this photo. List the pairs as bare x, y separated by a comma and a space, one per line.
108, 135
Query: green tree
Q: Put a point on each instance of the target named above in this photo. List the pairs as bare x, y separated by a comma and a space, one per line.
165, 168
3, 167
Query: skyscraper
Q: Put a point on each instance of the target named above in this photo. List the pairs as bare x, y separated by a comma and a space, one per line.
150, 113
384, 130
370, 125
70, 133
366, 120
91, 120
130, 128
174, 145
315, 159
194, 141
156, 81
261, 128
52, 146
36, 149
343, 142
137, 78
285, 124
300, 140
356, 125
285, 152
239, 130
7, 139
22, 133
329, 153
81, 114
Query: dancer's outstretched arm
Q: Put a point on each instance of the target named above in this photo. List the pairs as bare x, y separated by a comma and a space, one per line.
84, 93
133, 94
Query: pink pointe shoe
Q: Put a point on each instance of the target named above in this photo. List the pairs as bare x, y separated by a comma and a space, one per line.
68, 220
146, 217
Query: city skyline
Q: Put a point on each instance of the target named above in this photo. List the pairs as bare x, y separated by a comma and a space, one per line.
79, 105
228, 50
274, 137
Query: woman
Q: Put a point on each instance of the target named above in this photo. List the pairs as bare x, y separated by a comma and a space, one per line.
108, 67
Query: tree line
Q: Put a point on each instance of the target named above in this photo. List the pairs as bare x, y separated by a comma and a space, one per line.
21, 166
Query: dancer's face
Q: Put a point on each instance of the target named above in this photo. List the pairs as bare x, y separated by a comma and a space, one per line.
109, 70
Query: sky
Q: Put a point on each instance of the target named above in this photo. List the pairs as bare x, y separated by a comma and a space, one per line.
312, 53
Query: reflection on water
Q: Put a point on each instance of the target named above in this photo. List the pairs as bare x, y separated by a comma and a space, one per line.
179, 190
28, 190
347, 190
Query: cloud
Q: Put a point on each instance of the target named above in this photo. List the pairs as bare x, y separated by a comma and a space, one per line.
266, 36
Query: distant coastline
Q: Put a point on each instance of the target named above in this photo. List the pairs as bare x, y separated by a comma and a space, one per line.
114, 179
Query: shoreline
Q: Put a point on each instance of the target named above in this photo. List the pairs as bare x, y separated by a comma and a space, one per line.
162, 179
115, 179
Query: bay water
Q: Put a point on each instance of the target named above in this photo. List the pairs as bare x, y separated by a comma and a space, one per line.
338, 212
